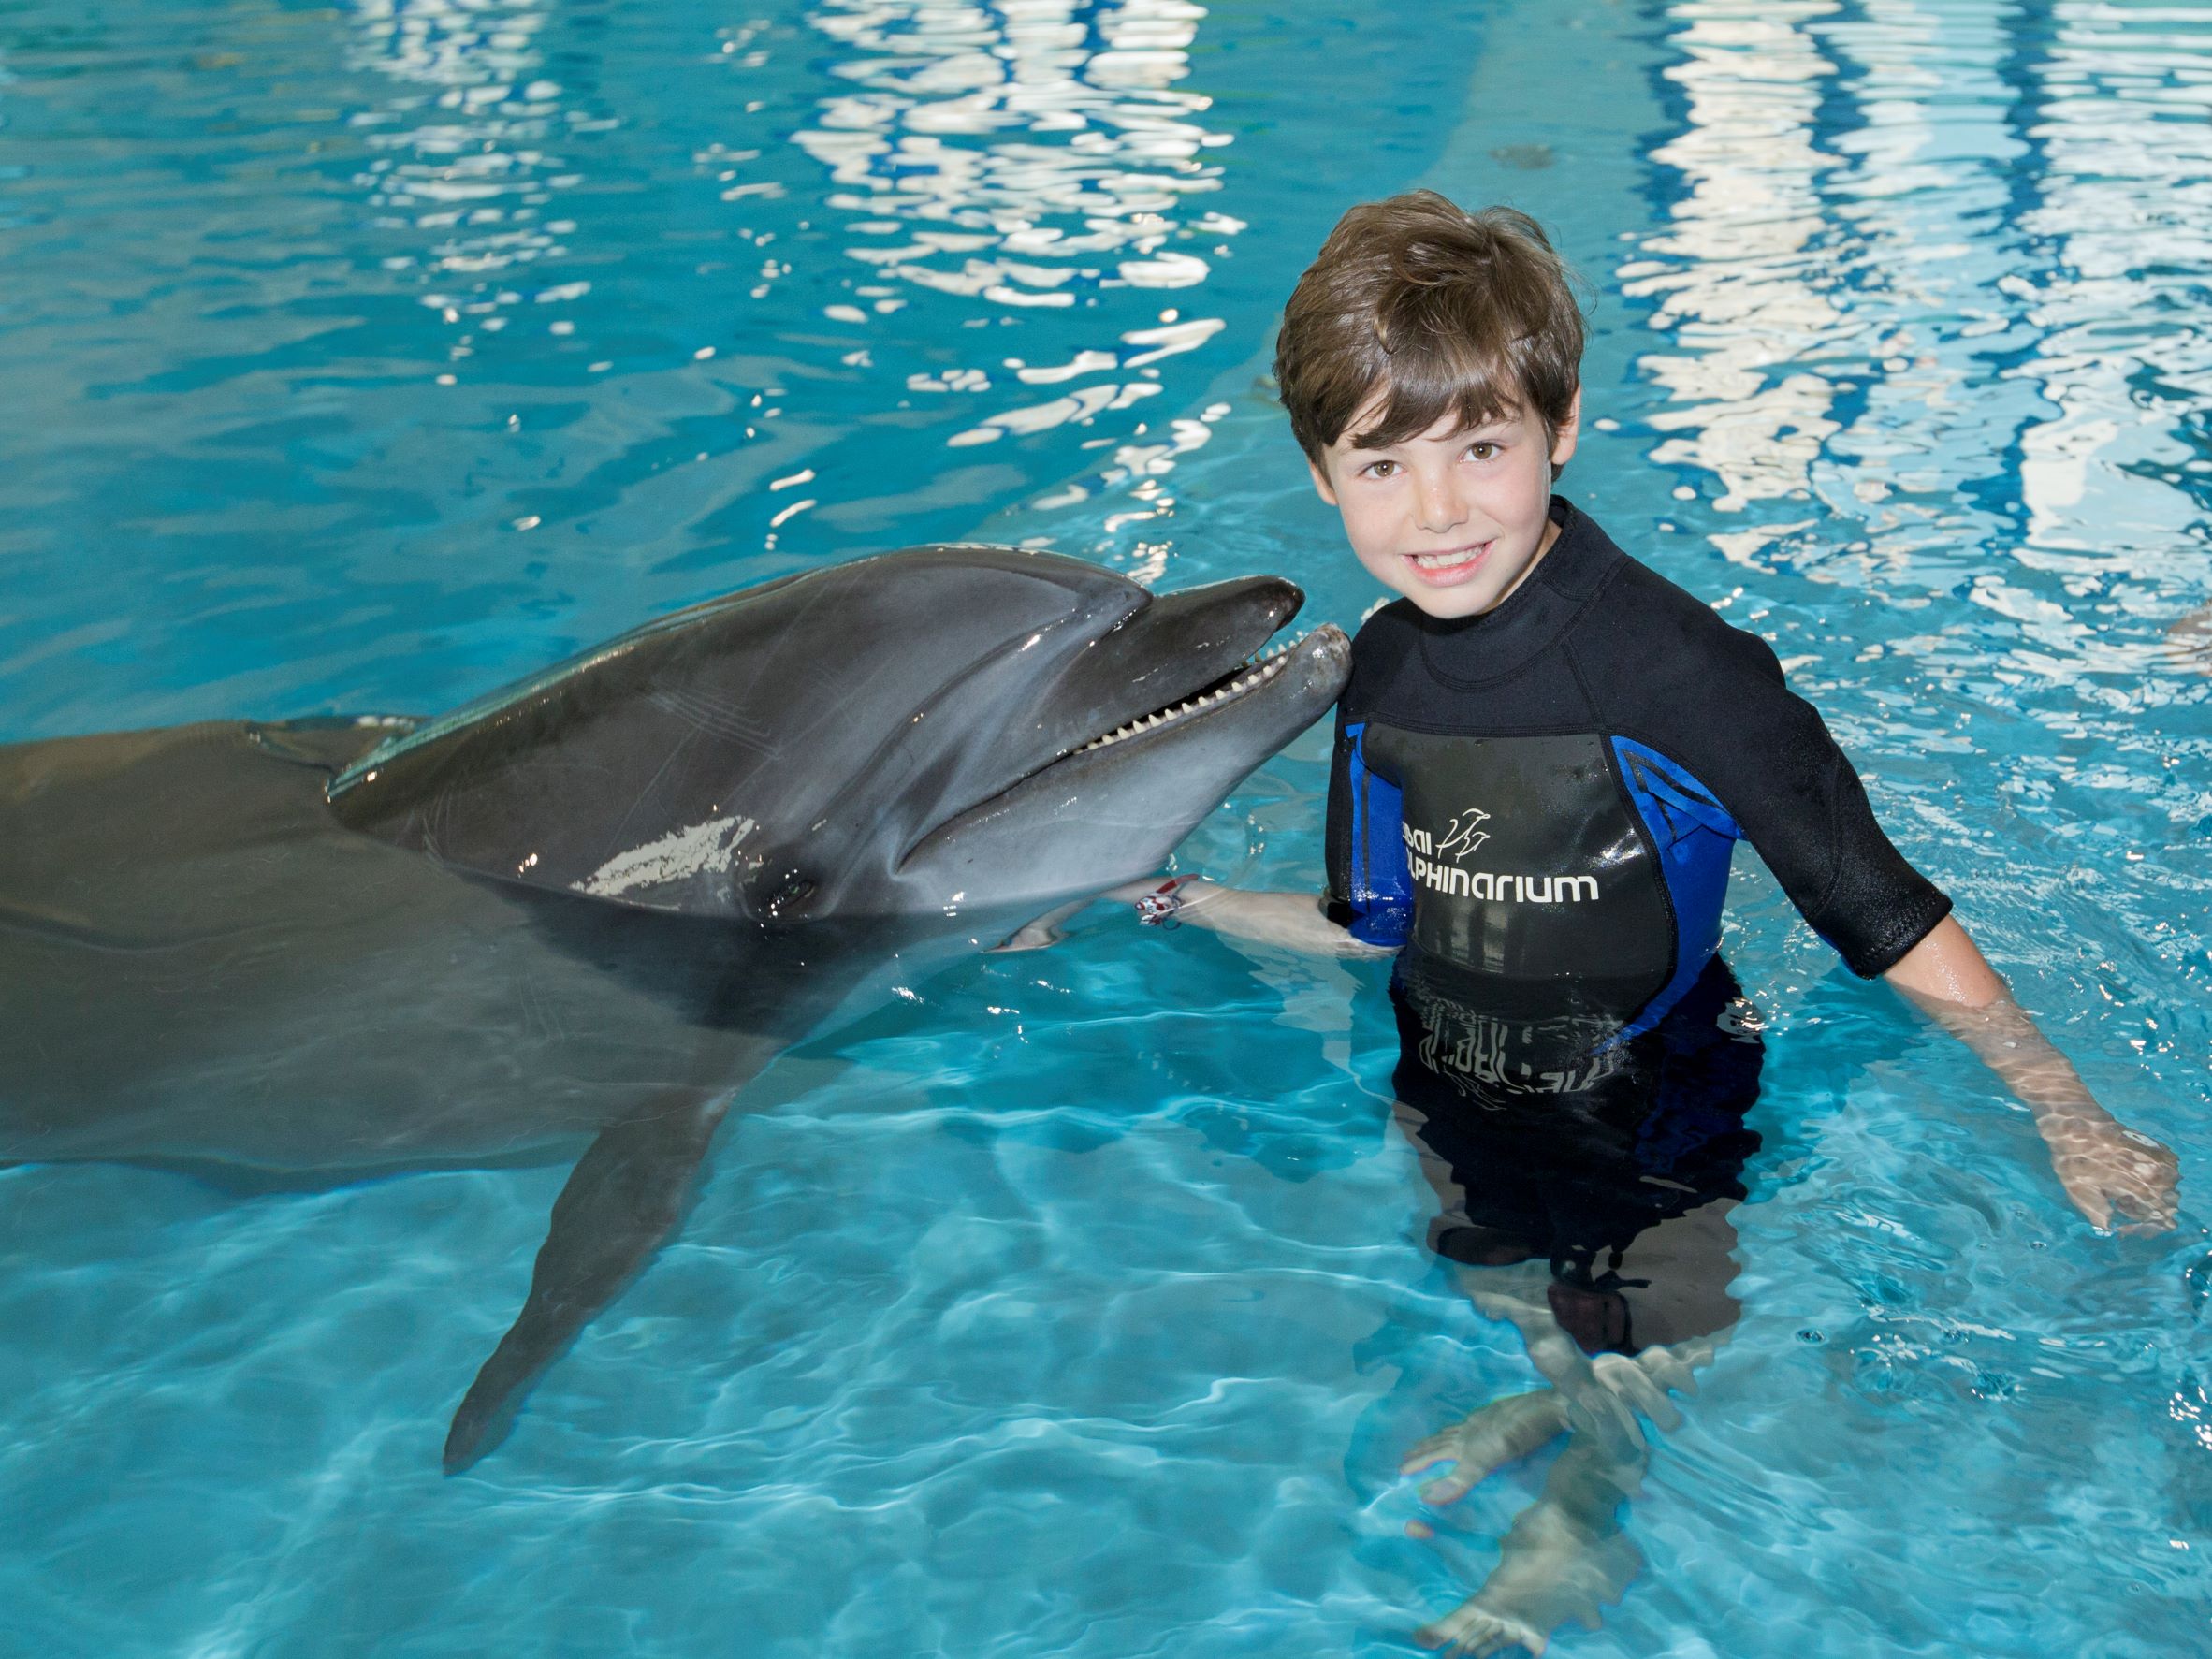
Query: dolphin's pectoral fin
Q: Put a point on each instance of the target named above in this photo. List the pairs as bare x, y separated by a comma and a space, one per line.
622, 1199
1041, 933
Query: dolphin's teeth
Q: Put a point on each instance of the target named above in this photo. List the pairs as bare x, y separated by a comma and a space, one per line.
1258, 671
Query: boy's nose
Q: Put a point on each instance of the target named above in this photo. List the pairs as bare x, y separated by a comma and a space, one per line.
1439, 506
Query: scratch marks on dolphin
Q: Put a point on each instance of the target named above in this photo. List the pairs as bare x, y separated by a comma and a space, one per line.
676, 856
541, 1016
722, 717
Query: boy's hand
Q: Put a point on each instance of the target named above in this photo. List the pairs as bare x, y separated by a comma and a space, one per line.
2103, 1165
1287, 920
2106, 1167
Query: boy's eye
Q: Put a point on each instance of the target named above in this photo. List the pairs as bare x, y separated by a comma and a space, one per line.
1482, 449
1380, 469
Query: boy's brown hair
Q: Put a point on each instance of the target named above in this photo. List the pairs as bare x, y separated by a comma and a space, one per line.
1441, 310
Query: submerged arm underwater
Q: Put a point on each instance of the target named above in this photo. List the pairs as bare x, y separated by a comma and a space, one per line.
2105, 1166
1287, 920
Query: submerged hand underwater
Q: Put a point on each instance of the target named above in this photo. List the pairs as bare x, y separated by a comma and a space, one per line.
589, 908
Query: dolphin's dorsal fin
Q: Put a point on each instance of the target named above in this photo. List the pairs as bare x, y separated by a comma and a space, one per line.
617, 774
329, 744
496, 707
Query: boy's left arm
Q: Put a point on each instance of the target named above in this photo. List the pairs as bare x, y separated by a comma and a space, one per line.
2103, 1165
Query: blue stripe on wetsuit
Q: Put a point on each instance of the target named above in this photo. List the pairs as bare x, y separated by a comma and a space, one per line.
1381, 895
1693, 836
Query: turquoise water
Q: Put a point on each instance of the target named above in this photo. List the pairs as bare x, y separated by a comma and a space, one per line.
365, 357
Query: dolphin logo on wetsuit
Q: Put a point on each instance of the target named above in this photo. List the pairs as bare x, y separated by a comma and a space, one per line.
1463, 838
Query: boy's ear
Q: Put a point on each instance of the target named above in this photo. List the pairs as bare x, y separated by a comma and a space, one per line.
1570, 429
1321, 485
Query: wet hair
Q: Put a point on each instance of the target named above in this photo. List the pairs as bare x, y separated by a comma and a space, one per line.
1438, 310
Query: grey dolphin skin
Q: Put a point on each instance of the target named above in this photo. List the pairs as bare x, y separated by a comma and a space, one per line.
572, 919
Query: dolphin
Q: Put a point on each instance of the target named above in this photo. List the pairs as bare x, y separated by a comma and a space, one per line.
570, 919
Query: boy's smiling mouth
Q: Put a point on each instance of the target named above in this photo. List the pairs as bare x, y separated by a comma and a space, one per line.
1449, 564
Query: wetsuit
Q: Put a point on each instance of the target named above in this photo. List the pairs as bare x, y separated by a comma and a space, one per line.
1540, 805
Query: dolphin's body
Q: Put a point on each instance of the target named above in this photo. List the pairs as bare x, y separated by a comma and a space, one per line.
573, 917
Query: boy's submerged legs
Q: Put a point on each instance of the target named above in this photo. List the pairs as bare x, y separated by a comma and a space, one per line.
1587, 1204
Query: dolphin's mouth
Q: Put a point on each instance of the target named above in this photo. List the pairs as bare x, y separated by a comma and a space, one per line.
1119, 788
1241, 682
1255, 671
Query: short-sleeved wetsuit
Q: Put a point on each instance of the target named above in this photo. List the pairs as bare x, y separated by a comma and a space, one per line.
1540, 805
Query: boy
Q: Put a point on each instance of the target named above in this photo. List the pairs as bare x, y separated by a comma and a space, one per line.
1544, 757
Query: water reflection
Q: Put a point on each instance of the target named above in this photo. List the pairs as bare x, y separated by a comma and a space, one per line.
461, 154
1940, 270
1740, 290
1034, 157
1937, 269
2126, 206
1087, 150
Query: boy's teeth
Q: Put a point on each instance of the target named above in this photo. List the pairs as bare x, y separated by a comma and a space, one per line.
1445, 560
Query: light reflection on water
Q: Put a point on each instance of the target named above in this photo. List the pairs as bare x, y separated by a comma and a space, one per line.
1931, 301
1042, 158
1731, 279
420, 277
462, 152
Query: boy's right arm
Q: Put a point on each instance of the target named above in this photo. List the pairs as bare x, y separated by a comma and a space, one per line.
1368, 908
1369, 905
1290, 920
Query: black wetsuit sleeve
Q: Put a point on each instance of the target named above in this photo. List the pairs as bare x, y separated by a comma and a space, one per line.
1730, 716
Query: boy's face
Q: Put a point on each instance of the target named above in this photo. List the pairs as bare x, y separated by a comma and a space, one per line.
1453, 519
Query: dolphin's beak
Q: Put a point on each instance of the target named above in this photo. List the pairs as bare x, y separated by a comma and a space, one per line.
1281, 690
1173, 651
1116, 804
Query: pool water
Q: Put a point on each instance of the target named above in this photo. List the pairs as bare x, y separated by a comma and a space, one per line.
364, 357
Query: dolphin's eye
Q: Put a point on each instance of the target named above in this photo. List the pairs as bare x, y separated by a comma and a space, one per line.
776, 890
796, 889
